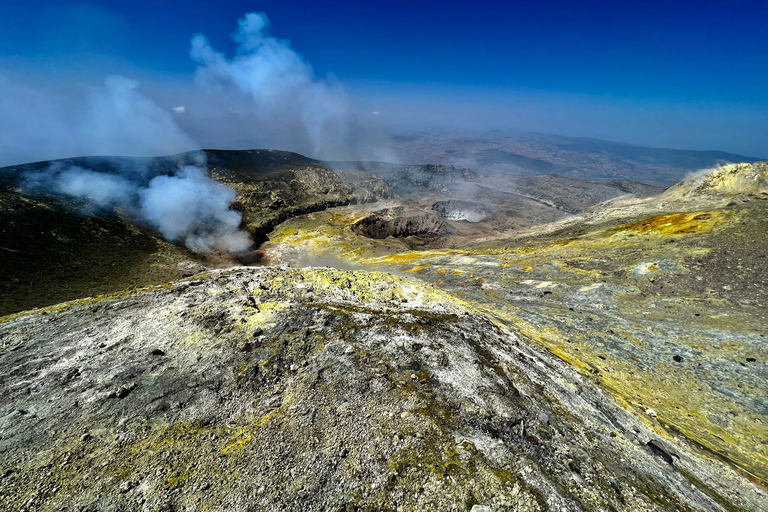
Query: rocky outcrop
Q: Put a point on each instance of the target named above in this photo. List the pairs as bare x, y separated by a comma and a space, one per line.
278, 389
400, 222
726, 180
269, 196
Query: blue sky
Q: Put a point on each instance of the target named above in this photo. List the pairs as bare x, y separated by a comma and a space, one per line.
689, 74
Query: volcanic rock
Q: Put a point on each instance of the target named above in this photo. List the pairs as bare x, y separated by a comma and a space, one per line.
335, 408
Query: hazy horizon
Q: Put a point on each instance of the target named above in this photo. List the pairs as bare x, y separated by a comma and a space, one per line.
335, 80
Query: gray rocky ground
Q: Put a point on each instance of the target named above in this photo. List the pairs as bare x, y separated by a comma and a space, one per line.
318, 389
609, 358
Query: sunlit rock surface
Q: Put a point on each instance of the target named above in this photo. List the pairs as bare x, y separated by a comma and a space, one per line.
401, 223
661, 300
291, 389
601, 351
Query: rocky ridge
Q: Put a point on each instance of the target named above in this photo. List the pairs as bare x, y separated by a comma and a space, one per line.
56, 248
661, 300
318, 389
610, 359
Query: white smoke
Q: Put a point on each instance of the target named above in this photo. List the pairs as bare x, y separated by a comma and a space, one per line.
187, 206
192, 207
99, 189
117, 119
121, 121
280, 82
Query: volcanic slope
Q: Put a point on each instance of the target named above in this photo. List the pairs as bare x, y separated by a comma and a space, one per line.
659, 300
55, 248
50, 251
279, 388
298, 389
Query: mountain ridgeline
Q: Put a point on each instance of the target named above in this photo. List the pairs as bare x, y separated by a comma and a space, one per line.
57, 246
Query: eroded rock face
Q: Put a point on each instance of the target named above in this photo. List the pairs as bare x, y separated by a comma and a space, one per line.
727, 180
284, 389
400, 222
268, 197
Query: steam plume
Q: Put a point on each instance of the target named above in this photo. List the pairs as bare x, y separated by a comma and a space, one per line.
280, 83
117, 119
192, 207
112, 119
187, 206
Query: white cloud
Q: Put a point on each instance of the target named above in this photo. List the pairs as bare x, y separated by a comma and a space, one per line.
179, 110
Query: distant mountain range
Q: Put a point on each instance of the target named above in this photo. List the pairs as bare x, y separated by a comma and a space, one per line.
584, 158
